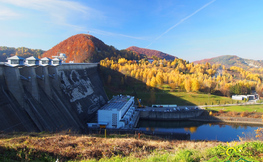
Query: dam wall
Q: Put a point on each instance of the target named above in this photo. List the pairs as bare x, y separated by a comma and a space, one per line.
50, 98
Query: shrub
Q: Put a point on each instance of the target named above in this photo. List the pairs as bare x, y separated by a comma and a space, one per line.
259, 133
221, 111
184, 155
244, 113
232, 113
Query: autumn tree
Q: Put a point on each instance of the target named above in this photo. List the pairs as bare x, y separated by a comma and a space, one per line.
153, 82
195, 85
188, 76
187, 85
159, 79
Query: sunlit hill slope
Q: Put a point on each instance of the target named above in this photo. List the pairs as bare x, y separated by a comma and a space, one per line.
232, 60
151, 53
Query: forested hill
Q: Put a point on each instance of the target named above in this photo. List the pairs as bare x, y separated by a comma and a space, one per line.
21, 51
151, 53
87, 48
232, 60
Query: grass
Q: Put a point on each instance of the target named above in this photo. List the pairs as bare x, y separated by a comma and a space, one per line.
50, 147
239, 108
167, 97
200, 98
184, 98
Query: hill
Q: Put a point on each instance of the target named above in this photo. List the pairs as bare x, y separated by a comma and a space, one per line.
151, 53
87, 48
232, 60
21, 51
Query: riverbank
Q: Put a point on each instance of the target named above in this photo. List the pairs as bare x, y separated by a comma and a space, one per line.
79, 147
231, 117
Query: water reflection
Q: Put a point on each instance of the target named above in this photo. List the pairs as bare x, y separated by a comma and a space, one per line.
199, 130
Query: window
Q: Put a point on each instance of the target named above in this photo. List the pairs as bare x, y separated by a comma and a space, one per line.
14, 61
44, 61
114, 119
31, 61
55, 62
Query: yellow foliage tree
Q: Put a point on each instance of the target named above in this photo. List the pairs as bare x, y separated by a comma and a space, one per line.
159, 79
153, 82
122, 61
187, 85
195, 85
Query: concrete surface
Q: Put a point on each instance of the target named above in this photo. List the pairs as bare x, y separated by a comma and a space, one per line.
51, 98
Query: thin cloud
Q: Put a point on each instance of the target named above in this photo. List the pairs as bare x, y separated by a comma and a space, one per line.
59, 11
96, 31
48, 5
7, 14
181, 21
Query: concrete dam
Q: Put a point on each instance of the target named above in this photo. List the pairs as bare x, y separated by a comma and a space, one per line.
50, 98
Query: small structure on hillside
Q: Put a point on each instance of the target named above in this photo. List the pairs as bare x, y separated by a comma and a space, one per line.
15, 61
150, 60
61, 56
32, 61
249, 97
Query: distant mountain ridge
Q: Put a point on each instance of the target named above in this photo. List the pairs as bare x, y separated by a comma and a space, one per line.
150, 53
87, 48
232, 60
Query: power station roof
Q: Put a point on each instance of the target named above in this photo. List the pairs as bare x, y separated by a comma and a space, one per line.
117, 102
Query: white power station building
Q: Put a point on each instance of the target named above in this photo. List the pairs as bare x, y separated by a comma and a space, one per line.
118, 113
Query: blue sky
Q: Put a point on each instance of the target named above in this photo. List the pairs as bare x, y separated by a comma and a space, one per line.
189, 29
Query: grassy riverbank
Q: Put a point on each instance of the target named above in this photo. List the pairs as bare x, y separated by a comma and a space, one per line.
74, 147
239, 108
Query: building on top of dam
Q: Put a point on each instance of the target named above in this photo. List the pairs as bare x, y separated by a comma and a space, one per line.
15, 61
32, 61
118, 113
56, 61
45, 61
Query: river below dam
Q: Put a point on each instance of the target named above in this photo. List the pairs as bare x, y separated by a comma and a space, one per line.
201, 130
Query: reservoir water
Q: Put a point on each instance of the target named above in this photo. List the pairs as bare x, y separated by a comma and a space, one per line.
201, 130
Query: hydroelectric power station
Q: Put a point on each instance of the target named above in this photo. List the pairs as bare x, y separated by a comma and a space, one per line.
48, 95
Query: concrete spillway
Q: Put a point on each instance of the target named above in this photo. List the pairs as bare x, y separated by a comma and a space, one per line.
49, 98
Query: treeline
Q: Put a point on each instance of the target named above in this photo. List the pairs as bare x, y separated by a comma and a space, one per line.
6, 52
180, 75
